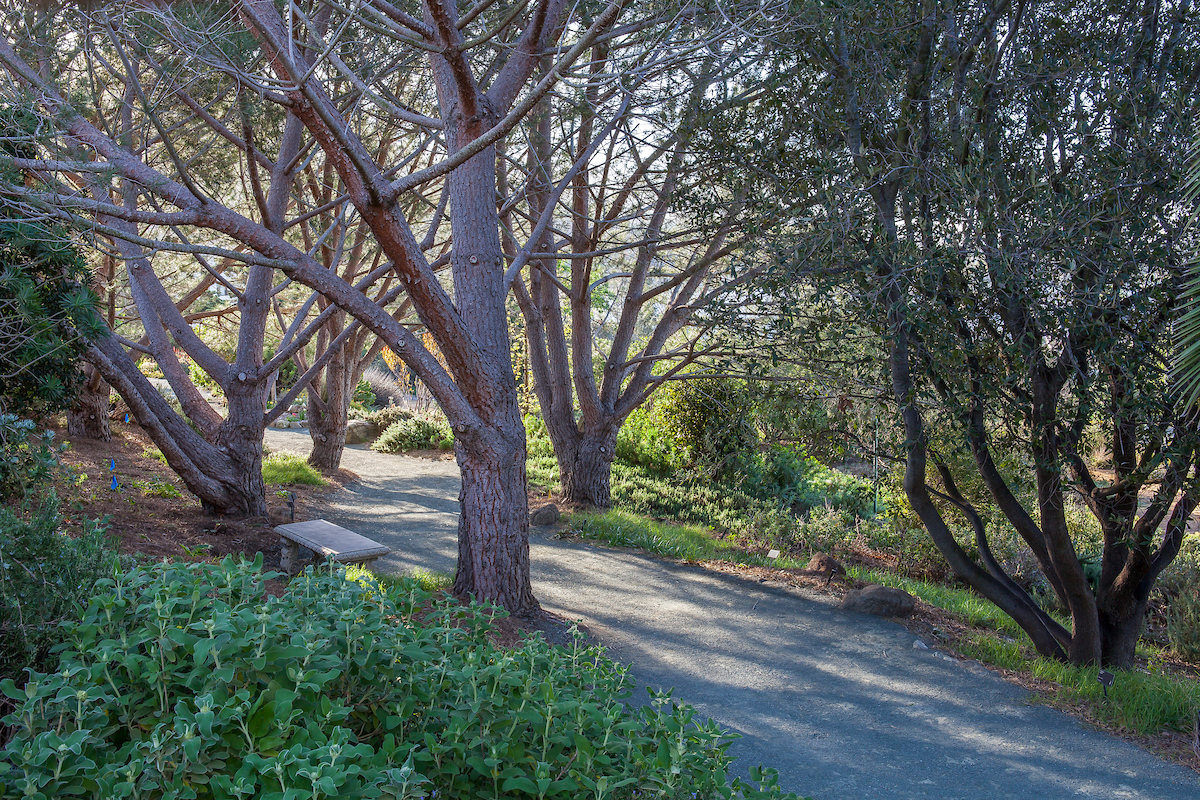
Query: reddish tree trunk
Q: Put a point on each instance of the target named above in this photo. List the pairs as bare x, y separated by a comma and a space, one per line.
240, 438
493, 528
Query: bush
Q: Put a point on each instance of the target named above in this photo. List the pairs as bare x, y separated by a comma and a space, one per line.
388, 416
1183, 613
44, 574
645, 440
290, 468
412, 434
172, 687
711, 421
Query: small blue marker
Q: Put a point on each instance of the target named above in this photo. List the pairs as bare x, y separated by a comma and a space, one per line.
112, 464
115, 485
126, 419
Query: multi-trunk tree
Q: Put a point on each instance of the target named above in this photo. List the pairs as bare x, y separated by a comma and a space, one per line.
317, 81
1006, 182
632, 233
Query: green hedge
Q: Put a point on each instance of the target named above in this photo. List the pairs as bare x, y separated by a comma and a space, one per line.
182, 681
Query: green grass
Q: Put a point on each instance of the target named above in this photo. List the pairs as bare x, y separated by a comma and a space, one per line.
427, 580
290, 469
677, 540
155, 453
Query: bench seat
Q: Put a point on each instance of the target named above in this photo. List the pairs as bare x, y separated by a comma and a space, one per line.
326, 540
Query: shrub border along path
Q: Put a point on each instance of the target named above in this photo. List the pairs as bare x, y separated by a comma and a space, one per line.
844, 706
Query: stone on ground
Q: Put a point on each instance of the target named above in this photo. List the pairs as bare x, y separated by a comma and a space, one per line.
882, 601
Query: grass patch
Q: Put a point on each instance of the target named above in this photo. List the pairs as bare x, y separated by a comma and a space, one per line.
428, 580
289, 468
676, 540
1144, 702
156, 454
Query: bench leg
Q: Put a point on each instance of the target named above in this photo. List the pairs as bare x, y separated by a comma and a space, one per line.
287, 559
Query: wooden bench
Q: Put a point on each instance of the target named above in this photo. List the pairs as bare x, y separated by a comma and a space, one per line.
325, 540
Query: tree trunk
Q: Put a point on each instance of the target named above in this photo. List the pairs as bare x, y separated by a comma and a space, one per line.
226, 475
493, 528
585, 470
88, 417
241, 440
1120, 631
328, 407
327, 427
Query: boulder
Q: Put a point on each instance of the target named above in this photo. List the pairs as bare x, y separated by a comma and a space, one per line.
546, 515
361, 431
882, 601
826, 564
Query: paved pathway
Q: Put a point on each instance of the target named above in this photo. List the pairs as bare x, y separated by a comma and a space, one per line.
842, 705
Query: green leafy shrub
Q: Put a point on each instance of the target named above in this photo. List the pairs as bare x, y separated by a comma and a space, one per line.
290, 468
710, 420
27, 459
182, 681
412, 434
44, 574
1183, 612
47, 314
645, 441
388, 416
363, 394
537, 439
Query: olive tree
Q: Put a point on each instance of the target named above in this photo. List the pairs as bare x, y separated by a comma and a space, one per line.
1004, 182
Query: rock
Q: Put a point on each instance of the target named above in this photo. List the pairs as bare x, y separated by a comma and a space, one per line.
823, 562
361, 431
546, 515
882, 601
919, 645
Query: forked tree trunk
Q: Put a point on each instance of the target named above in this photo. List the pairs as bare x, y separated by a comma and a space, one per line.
88, 417
226, 475
328, 431
1121, 622
585, 467
240, 438
493, 528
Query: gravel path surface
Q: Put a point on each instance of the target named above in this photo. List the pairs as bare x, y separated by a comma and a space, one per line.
841, 704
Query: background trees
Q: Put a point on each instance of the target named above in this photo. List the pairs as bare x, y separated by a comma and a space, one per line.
315, 83
1017, 164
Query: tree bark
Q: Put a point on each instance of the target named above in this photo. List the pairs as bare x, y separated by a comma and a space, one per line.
88, 417
328, 406
493, 528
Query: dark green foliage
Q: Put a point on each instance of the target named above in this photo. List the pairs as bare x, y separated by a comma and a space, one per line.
182, 681
363, 394
647, 441
44, 575
47, 313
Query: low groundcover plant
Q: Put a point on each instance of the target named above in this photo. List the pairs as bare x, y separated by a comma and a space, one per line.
184, 681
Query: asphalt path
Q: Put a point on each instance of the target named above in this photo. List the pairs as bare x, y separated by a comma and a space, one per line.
843, 705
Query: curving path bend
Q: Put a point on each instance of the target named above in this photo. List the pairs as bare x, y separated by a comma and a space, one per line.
841, 704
